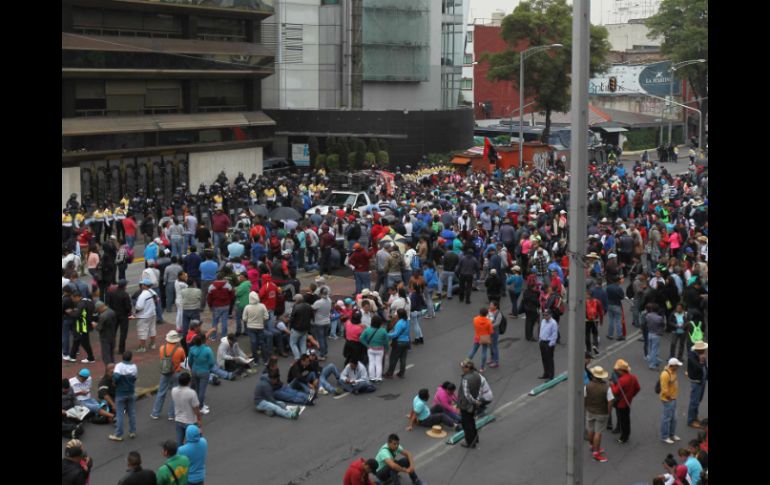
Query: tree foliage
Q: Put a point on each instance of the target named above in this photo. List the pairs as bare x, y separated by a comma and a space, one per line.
546, 74
383, 159
683, 24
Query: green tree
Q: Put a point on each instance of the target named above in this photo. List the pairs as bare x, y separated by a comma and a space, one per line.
370, 159
312, 143
684, 26
546, 74
374, 147
352, 160
383, 159
333, 162
359, 147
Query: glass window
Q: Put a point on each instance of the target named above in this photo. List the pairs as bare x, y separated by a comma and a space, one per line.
466, 84
222, 29
221, 95
468, 59
469, 35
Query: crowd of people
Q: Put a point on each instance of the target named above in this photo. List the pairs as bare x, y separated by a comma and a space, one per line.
431, 235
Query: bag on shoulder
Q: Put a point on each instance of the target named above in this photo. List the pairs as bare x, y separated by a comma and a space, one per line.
415, 262
503, 325
696, 335
485, 339
167, 362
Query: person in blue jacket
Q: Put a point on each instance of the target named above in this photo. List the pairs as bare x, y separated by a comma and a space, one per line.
195, 448
400, 346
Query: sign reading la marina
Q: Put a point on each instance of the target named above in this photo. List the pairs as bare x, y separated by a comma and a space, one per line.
652, 79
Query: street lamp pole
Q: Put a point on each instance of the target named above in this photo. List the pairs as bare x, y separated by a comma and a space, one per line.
532, 50
673, 69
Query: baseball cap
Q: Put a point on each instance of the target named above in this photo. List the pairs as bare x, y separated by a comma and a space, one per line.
145, 282
84, 373
674, 361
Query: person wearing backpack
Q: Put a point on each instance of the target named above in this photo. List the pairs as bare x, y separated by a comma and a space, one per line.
668, 390
171, 357
594, 318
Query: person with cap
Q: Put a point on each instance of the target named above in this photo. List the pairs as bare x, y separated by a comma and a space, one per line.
124, 376
388, 467
469, 401
624, 386
81, 387
106, 326
175, 470
85, 321
172, 354
697, 372
669, 391
76, 464
359, 259
549, 332
598, 404
146, 315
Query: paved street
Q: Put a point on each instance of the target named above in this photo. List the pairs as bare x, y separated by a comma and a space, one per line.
526, 444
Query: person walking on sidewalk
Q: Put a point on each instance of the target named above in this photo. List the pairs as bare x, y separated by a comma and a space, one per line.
669, 391
624, 387
697, 372
171, 357
598, 404
482, 327
85, 321
594, 318
124, 376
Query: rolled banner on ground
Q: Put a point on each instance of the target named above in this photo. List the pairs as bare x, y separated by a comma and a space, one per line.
480, 423
548, 385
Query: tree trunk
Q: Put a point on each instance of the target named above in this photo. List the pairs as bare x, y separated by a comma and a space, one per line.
547, 131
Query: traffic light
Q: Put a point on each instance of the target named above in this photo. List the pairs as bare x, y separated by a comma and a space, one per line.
613, 86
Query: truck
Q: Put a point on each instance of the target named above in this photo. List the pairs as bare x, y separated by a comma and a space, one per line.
359, 201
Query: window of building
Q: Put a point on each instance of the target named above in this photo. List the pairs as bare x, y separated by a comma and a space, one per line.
468, 59
330, 2
114, 98
469, 36
466, 83
221, 29
221, 95
126, 23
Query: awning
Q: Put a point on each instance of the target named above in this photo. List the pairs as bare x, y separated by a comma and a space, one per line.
134, 124
461, 160
611, 129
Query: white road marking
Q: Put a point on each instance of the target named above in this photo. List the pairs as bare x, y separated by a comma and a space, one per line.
409, 366
342, 395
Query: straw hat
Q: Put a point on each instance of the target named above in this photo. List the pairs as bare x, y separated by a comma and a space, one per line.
700, 345
621, 364
703, 239
593, 255
599, 373
173, 337
436, 432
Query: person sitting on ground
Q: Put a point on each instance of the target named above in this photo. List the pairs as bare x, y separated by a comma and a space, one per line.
70, 427
284, 392
106, 389
358, 472
447, 399
81, 386
265, 400
428, 417
355, 379
301, 377
322, 374
231, 358
389, 467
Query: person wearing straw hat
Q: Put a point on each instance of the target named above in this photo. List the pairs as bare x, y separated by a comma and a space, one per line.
624, 386
598, 403
697, 372
171, 357
669, 391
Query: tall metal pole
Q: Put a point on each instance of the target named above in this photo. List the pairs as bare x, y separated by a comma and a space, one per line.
521, 110
577, 237
671, 97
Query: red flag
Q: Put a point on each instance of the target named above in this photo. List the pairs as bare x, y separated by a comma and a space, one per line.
487, 145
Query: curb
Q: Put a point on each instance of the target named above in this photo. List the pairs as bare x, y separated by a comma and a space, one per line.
544, 387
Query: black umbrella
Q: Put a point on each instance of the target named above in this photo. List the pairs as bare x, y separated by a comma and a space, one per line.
283, 213
259, 210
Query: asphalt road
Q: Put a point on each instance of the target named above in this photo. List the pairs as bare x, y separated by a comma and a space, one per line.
526, 444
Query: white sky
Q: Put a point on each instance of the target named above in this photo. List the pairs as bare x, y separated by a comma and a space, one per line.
600, 9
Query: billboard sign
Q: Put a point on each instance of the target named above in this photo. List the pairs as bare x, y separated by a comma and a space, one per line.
647, 78
300, 153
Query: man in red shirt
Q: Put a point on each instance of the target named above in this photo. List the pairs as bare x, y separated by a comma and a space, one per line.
220, 223
268, 296
359, 259
219, 297
624, 387
129, 227
358, 472
326, 243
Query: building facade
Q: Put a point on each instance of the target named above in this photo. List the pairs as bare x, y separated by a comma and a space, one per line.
160, 93
387, 69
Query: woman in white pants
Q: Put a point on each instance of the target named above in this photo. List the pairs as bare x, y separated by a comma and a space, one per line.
179, 285
375, 338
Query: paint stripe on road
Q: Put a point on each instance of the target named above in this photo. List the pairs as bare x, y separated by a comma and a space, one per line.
342, 395
409, 366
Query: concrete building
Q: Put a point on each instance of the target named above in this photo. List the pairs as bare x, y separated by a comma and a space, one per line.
159, 93
387, 69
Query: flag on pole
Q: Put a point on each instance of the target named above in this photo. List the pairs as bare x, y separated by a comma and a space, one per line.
489, 151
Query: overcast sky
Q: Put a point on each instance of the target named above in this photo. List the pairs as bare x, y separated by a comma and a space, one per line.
600, 9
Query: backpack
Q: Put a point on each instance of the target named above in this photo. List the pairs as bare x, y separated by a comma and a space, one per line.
503, 324
354, 232
658, 389
167, 362
415, 262
130, 254
592, 309
696, 335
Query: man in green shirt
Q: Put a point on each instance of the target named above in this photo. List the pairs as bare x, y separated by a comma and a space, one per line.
388, 467
241, 301
174, 471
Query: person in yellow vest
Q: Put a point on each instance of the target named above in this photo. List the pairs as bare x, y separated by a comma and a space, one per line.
322, 172
80, 218
120, 216
283, 190
124, 202
217, 199
97, 224
253, 196
66, 225
108, 221
270, 195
